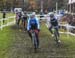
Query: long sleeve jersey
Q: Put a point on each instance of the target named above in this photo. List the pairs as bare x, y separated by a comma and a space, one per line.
29, 23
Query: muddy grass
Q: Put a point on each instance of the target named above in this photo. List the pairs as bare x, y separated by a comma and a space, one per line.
21, 46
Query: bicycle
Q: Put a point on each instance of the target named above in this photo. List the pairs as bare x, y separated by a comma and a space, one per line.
34, 40
56, 37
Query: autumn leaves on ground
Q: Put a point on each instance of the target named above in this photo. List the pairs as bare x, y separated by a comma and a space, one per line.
17, 44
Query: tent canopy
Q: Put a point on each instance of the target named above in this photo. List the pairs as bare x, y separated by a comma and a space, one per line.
71, 1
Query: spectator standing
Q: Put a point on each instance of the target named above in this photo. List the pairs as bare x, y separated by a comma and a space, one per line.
4, 15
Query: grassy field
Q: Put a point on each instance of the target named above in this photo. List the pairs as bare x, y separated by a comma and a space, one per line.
6, 38
17, 44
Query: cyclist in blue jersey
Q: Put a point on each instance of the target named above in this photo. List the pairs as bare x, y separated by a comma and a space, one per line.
33, 24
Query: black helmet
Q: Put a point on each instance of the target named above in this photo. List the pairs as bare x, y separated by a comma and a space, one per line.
52, 15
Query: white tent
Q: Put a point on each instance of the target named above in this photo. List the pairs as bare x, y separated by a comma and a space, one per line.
71, 1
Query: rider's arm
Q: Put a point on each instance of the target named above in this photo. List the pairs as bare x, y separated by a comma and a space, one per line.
28, 24
38, 23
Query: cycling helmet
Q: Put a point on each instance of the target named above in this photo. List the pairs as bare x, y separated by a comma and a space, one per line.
33, 13
52, 15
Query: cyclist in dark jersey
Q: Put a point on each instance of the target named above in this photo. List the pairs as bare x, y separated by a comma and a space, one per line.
53, 24
24, 20
20, 17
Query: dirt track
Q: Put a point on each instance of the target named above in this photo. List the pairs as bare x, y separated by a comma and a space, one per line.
22, 47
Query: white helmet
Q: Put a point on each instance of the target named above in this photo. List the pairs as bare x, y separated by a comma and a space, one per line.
50, 13
33, 13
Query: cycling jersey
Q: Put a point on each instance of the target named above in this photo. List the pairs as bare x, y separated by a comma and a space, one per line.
33, 23
54, 22
19, 14
25, 17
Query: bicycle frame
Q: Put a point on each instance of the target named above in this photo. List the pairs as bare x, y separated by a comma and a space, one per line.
34, 39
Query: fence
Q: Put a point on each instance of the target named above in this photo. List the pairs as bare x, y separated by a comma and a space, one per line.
8, 22
68, 27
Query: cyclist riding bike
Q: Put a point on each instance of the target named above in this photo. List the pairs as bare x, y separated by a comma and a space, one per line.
54, 24
24, 20
33, 24
19, 19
